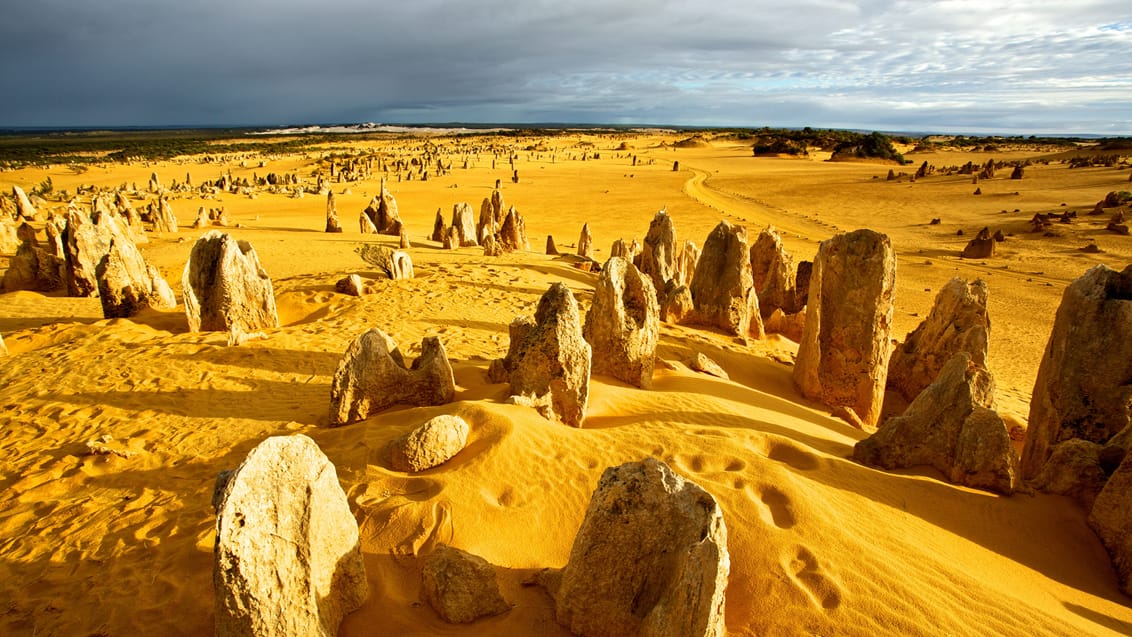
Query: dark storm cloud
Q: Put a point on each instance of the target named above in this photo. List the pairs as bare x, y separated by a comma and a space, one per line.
1060, 67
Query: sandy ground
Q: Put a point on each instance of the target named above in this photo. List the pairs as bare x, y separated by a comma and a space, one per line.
122, 544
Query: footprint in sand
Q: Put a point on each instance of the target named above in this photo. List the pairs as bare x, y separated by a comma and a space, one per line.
708, 464
779, 506
792, 456
805, 571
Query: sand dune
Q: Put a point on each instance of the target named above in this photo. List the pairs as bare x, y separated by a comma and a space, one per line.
121, 543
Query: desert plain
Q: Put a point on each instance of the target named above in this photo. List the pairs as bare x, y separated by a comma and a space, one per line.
122, 543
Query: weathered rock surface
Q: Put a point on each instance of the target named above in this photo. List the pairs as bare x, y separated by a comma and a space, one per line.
951, 426
430, 445
9, 238
958, 322
352, 285
288, 559
365, 224
464, 221
372, 375
677, 306
586, 242
843, 356
225, 287
163, 218
451, 238
491, 247
550, 369
792, 326
649, 559
23, 205
439, 230
722, 289
658, 257
1074, 469
772, 270
1111, 518
513, 232
500, 369
699, 362
202, 220
126, 283
1084, 384
981, 247
394, 264
34, 268
382, 212
686, 264
623, 324
551, 249
86, 240
332, 223
460, 587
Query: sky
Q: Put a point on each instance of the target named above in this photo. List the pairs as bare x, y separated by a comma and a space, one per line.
984, 66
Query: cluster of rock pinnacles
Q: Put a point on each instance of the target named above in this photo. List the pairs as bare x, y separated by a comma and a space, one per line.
838, 308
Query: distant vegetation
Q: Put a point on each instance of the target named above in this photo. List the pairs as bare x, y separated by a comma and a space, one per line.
84, 148
79, 149
871, 146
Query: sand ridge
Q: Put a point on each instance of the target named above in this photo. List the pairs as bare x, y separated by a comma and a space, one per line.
819, 545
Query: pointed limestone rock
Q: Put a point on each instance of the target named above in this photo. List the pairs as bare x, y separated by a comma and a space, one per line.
951, 426
686, 265
623, 324
439, 230
464, 221
1084, 384
372, 375
163, 218
843, 356
722, 289
551, 249
773, 272
202, 220
513, 232
365, 224
585, 242
487, 224
550, 367
288, 558
126, 283
649, 559
658, 258
226, 288
332, 224
957, 323
23, 205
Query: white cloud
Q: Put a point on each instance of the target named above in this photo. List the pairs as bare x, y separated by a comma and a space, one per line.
987, 64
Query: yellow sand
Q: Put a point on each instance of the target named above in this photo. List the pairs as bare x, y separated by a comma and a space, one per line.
117, 545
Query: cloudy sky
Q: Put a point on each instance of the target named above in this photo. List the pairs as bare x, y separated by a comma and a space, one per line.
1062, 66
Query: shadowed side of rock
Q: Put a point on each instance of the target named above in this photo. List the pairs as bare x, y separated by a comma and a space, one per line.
649, 559
372, 376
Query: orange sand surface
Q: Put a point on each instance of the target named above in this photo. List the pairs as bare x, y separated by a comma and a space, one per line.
122, 544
